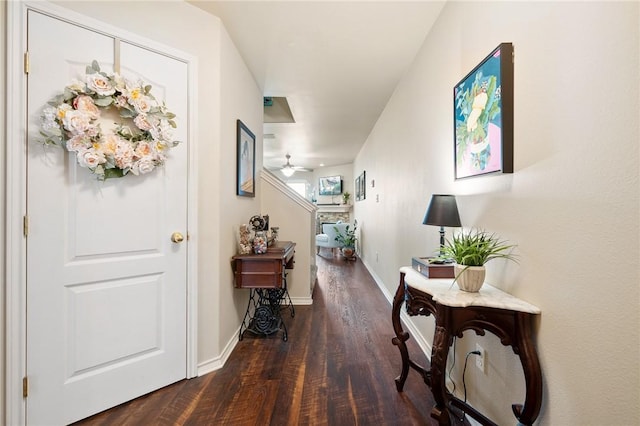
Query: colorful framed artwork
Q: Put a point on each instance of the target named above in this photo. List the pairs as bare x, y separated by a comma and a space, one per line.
246, 161
483, 117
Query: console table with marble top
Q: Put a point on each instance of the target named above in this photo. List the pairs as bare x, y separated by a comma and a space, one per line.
455, 311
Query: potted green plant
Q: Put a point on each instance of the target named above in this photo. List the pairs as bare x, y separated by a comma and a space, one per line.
348, 240
471, 251
345, 197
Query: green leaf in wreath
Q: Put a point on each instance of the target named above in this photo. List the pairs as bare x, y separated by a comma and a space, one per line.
127, 113
68, 94
113, 173
103, 102
55, 102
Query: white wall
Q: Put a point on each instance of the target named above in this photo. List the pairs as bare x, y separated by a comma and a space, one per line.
241, 99
3, 140
572, 205
296, 220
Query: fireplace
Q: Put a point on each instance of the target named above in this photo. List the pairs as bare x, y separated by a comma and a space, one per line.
330, 217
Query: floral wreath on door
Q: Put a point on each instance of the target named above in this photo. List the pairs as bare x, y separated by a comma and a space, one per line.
115, 126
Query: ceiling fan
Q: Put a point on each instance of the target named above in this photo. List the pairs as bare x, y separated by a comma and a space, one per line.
289, 169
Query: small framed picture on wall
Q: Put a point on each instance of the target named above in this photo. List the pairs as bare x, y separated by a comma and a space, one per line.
246, 161
361, 186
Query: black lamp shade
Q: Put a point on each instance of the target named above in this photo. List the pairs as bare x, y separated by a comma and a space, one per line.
442, 211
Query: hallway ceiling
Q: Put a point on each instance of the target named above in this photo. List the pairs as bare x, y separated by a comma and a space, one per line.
336, 62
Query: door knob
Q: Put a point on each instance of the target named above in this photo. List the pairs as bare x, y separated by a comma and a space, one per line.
177, 237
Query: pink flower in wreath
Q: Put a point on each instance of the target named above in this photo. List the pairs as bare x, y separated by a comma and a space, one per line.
85, 104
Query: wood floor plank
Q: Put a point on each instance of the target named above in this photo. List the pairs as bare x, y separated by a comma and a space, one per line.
337, 368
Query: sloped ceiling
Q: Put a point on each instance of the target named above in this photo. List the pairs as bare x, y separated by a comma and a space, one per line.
336, 62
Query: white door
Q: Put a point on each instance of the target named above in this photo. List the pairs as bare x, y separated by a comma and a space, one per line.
106, 286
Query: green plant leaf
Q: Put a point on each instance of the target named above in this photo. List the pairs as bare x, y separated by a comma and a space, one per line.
103, 102
476, 248
113, 173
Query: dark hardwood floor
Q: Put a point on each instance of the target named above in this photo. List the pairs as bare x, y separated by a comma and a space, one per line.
337, 368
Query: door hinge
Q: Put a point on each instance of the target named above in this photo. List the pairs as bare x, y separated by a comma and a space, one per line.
25, 387
25, 226
26, 62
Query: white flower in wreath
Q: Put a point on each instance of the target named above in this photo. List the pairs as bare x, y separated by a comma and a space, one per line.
142, 105
77, 86
137, 144
143, 165
49, 123
91, 158
143, 149
145, 122
162, 132
62, 110
108, 144
84, 103
78, 143
123, 155
76, 122
100, 84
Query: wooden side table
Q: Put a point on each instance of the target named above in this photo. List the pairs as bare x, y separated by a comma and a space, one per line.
455, 311
266, 278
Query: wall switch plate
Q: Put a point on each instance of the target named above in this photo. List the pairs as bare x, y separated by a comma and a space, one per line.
480, 359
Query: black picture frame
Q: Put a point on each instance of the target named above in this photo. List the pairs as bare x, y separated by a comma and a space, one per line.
361, 186
483, 117
246, 161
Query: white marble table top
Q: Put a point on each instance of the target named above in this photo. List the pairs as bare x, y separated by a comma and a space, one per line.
445, 292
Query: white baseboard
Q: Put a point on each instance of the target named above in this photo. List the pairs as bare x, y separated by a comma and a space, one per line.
218, 362
302, 301
420, 339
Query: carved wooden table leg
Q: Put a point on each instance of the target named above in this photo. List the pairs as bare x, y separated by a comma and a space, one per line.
401, 335
439, 355
524, 347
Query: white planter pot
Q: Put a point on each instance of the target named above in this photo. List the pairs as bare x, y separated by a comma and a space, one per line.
469, 278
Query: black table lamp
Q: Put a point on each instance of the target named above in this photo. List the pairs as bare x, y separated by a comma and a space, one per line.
442, 211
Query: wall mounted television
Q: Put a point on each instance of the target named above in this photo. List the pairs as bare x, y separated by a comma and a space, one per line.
330, 185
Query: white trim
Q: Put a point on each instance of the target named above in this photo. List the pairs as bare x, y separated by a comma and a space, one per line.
302, 301
218, 362
335, 209
15, 245
192, 222
424, 344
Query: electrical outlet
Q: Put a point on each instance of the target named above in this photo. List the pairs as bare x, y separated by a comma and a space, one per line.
480, 359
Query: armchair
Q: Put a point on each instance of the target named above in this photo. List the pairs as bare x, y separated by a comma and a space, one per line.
328, 237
